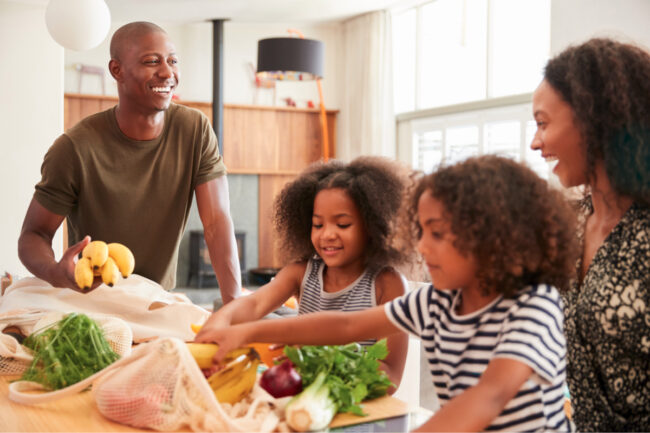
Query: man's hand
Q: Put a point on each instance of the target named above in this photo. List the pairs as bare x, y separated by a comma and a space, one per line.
62, 274
35, 248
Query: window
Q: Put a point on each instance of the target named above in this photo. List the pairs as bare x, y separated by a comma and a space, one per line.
452, 52
463, 77
446, 139
520, 35
455, 51
404, 55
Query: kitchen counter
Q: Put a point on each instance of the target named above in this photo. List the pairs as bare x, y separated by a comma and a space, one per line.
78, 413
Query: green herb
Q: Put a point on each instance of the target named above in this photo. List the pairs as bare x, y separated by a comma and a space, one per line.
353, 373
68, 352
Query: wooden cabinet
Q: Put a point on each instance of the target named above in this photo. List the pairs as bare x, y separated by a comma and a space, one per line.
274, 143
77, 106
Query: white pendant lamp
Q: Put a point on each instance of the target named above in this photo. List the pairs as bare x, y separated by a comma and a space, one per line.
78, 24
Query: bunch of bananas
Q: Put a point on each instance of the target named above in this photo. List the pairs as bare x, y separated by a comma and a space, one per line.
236, 379
107, 261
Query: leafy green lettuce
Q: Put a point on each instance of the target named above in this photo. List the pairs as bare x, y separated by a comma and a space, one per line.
353, 373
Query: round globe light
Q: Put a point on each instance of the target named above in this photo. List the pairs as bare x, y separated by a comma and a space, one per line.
78, 24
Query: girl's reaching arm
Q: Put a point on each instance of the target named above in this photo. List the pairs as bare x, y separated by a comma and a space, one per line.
479, 405
263, 301
314, 329
389, 285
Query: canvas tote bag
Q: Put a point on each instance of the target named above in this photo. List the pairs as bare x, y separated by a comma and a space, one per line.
143, 304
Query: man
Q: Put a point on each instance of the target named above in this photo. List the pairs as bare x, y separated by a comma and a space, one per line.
128, 175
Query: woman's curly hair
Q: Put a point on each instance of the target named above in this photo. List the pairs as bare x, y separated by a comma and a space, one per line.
519, 230
375, 184
607, 84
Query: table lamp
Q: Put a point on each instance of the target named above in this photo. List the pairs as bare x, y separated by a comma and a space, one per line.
295, 59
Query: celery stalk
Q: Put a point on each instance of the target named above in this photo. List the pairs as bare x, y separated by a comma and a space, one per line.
312, 409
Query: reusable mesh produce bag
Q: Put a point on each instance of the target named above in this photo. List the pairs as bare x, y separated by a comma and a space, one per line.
16, 358
160, 386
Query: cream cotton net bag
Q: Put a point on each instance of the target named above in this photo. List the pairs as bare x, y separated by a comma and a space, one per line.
160, 386
16, 358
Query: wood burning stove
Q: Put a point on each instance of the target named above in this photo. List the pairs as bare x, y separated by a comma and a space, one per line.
200, 266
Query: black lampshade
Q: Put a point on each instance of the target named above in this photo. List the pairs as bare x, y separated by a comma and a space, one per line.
290, 59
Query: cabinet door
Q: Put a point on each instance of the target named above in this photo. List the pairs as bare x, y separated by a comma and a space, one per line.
270, 186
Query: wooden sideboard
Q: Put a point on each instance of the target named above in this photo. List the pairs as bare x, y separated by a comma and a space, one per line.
275, 143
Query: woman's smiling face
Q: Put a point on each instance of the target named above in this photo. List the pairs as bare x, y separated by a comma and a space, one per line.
558, 137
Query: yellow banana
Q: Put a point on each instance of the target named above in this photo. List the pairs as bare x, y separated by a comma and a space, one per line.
236, 353
110, 272
83, 273
236, 379
123, 258
97, 252
240, 386
231, 371
204, 352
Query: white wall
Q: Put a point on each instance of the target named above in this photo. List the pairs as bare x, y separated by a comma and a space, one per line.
194, 46
31, 116
575, 21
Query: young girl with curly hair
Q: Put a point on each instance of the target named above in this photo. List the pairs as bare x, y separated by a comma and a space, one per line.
593, 115
337, 224
497, 241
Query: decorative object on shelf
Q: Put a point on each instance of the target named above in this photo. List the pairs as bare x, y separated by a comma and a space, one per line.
92, 70
290, 102
297, 59
78, 24
261, 83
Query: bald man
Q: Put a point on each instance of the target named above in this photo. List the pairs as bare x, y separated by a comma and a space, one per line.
128, 175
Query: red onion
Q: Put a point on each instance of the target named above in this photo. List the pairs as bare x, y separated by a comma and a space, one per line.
281, 380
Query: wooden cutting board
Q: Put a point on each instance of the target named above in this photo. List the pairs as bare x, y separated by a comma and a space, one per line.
379, 408
78, 413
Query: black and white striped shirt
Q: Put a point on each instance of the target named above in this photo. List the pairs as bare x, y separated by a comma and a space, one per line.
360, 295
527, 328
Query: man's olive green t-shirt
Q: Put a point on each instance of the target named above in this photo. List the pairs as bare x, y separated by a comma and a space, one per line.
138, 193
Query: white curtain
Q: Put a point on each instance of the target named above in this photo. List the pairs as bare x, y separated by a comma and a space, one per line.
366, 118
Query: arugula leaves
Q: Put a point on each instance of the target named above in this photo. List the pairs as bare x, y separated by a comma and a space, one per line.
67, 352
353, 373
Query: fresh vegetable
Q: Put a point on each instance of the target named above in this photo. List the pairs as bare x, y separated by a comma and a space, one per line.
352, 371
312, 409
67, 352
281, 380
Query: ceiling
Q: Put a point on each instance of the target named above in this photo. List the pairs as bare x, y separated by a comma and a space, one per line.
272, 11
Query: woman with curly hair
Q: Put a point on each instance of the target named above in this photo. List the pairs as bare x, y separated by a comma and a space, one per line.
593, 115
337, 225
496, 241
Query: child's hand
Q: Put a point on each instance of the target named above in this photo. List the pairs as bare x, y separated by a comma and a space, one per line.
227, 339
215, 321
